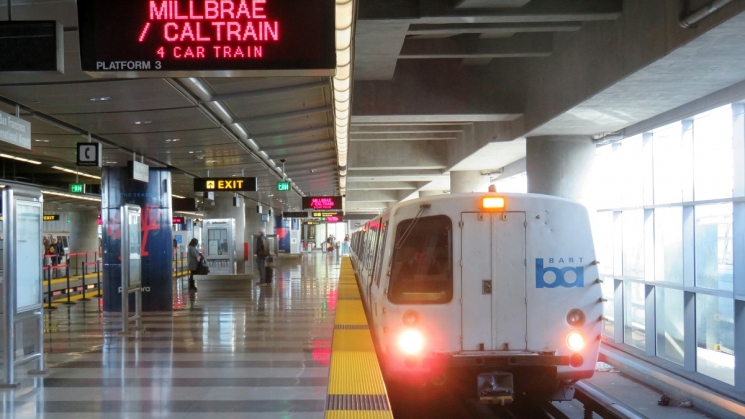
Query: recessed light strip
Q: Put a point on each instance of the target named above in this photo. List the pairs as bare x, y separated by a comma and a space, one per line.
178, 196
75, 172
67, 195
8, 156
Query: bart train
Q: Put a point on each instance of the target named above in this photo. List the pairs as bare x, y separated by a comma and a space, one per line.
500, 288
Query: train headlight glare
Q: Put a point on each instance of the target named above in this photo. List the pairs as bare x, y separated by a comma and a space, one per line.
411, 342
410, 318
576, 318
575, 341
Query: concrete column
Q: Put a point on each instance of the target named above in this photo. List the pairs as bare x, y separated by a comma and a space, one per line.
468, 181
559, 165
224, 208
83, 231
423, 194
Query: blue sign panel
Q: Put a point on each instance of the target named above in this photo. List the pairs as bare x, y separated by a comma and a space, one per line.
564, 276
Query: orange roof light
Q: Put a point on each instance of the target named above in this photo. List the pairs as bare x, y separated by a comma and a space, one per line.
492, 202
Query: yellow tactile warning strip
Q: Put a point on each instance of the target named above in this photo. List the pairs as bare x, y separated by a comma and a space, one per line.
356, 388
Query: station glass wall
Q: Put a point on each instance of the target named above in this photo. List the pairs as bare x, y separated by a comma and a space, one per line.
664, 230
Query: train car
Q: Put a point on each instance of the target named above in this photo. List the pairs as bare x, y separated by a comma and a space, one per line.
501, 289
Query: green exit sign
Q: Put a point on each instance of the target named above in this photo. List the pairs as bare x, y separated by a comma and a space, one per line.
283, 186
77, 188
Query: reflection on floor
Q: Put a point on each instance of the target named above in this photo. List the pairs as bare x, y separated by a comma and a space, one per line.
233, 350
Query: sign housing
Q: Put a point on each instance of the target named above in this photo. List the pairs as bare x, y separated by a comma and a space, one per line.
207, 38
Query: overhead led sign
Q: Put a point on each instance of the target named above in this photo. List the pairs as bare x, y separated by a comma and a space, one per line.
77, 188
51, 217
283, 186
207, 38
335, 219
297, 214
178, 220
231, 184
322, 202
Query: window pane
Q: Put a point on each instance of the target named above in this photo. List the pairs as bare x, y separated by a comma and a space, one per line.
714, 246
605, 179
715, 338
713, 154
632, 167
608, 307
422, 264
668, 244
668, 164
633, 243
603, 237
669, 312
633, 314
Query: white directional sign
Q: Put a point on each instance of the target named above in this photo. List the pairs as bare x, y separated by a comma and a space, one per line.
15, 131
89, 154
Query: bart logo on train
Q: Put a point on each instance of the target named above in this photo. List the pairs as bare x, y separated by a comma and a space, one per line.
559, 276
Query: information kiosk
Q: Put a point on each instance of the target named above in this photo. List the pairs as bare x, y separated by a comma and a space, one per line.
218, 243
21, 338
131, 222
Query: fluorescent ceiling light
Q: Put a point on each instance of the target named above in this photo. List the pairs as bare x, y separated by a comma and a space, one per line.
8, 156
67, 195
178, 196
75, 172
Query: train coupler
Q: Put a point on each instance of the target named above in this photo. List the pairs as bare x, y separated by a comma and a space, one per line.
495, 388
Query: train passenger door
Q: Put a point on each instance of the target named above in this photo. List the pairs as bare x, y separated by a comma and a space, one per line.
493, 307
509, 304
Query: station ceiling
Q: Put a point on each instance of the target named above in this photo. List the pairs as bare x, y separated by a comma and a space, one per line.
439, 85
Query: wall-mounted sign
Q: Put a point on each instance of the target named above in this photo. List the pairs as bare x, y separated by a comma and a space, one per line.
231, 184
324, 214
207, 38
77, 188
335, 219
322, 202
139, 171
89, 154
299, 214
15, 131
51, 217
178, 220
283, 186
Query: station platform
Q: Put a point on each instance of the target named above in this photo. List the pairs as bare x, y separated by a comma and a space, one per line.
232, 350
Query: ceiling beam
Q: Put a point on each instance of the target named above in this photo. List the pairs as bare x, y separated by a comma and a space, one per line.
360, 136
288, 146
294, 114
492, 28
410, 129
267, 92
522, 45
305, 131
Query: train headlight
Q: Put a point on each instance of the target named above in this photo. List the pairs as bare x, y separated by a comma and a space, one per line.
575, 341
576, 317
410, 318
411, 342
491, 203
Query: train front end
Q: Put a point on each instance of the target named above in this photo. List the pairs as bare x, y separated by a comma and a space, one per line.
502, 289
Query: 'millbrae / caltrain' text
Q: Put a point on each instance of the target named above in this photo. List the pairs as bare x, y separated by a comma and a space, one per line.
200, 29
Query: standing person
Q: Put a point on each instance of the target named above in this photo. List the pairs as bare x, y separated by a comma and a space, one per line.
261, 250
53, 252
345, 245
330, 243
60, 252
193, 258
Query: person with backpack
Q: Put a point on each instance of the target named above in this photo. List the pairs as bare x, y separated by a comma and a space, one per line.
261, 250
193, 258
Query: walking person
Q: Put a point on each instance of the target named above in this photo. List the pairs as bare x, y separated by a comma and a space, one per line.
193, 258
345, 245
261, 250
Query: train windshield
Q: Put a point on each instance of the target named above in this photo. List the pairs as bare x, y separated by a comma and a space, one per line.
421, 267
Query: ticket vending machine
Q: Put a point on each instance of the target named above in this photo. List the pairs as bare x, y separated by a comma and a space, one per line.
218, 245
21, 332
131, 251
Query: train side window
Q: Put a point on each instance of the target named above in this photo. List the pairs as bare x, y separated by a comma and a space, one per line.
422, 268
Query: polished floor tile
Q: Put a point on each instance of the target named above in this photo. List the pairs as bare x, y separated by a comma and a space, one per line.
233, 350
